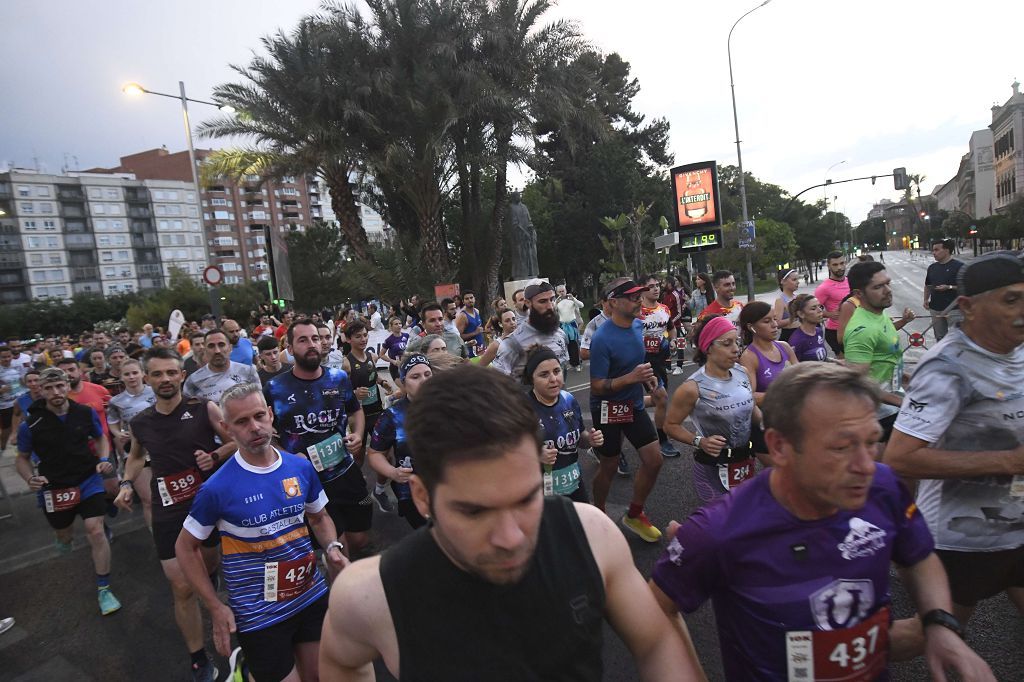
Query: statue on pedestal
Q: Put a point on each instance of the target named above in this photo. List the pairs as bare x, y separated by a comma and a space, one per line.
522, 239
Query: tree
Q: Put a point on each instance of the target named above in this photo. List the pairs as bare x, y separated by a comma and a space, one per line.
872, 233
52, 316
317, 253
775, 244
295, 105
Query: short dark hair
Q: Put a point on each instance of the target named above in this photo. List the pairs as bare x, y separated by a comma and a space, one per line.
455, 397
197, 334
31, 370
290, 334
518, 291
430, 305
796, 306
159, 353
784, 402
6, 348
266, 343
468, 292
67, 361
445, 302
751, 313
832, 255
123, 330
861, 273
720, 275
355, 328
947, 243
211, 332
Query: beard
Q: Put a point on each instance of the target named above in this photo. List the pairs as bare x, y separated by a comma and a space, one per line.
545, 323
310, 361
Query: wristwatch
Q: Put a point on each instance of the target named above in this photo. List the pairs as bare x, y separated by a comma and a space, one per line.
697, 440
943, 618
332, 545
125, 484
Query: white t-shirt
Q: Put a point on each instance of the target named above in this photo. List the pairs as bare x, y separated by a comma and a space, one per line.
375, 322
965, 398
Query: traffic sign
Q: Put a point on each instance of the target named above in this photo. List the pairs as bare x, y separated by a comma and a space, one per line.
213, 275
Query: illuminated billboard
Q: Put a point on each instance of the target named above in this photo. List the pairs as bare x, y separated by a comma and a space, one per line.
696, 201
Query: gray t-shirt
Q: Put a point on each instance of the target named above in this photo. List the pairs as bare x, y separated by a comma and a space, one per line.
10, 386
511, 358
209, 385
588, 333
124, 406
965, 398
724, 407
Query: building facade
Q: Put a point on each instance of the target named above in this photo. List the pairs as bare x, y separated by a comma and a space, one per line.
98, 233
1007, 137
976, 177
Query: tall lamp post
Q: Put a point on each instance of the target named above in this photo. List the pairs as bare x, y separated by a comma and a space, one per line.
824, 190
739, 154
134, 89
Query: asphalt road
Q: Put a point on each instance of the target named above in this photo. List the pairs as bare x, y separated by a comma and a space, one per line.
60, 635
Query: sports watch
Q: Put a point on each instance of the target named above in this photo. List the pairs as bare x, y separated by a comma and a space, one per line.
697, 440
943, 618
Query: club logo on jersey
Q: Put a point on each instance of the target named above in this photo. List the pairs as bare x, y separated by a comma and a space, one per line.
291, 399
291, 487
675, 552
916, 406
330, 392
864, 539
842, 603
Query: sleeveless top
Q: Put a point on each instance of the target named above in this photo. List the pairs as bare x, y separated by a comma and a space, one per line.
724, 407
363, 374
785, 308
472, 324
768, 370
546, 627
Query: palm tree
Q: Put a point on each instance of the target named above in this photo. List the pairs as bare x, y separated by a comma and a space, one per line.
294, 105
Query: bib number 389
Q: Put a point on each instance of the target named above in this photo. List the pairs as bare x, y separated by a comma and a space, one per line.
62, 499
855, 654
178, 487
284, 580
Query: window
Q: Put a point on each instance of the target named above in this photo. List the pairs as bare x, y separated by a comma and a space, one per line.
29, 224
108, 272
103, 240
192, 211
221, 215
162, 224
219, 202
49, 224
99, 209
172, 195
100, 225
28, 207
193, 225
45, 207
116, 224
42, 191
35, 259
178, 225
112, 193
34, 242
158, 194
24, 191
107, 257
161, 209
55, 259
95, 193
115, 209
181, 254
53, 242
190, 197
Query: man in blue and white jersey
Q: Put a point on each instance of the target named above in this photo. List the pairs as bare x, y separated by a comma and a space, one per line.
259, 500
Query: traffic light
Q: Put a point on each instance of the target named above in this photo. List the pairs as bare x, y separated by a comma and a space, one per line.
900, 179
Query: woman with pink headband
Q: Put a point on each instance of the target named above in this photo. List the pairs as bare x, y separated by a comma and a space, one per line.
719, 399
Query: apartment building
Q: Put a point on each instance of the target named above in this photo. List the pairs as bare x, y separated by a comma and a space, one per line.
1008, 136
99, 233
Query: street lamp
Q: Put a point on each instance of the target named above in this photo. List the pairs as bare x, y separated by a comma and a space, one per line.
134, 90
739, 154
824, 193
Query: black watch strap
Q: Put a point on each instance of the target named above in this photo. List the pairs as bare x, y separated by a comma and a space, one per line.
943, 618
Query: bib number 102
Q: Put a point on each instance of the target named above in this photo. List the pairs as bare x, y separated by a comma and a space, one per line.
857, 651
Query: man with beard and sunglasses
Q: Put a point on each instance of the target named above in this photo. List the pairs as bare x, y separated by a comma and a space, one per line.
220, 372
179, 436
313, 407
541, 328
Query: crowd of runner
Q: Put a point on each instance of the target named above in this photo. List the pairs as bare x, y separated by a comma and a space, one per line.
818, 462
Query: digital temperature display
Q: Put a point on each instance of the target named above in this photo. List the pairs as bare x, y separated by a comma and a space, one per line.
702, 240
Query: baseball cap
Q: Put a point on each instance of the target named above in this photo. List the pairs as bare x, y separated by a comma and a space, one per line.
621, 287
537, 288
989, 272
52, 375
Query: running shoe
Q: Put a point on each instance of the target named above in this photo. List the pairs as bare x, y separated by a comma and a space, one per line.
6, 624
669, 450
677, 370
237, 671
384, 502
204, 673
63, 547
642, 527
108, 602
623, 465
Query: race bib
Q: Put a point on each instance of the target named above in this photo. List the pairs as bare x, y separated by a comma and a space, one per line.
372, 397
652, 344
855, 654
549, 482
327, 454
178, 487
1017, 487
566, 480
62, 499
734, 473
616, 412
284, 580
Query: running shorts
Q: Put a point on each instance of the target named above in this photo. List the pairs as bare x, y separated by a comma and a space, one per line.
270, 651
640, 432
974, 576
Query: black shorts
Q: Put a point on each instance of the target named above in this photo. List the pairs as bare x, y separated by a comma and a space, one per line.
166, 532
660, 367
640, 432
350, 504
270, 651
371, 421
579, 495
393, 370
7, 417
832, 339
408, 511
757, 442
90, 507
974, 576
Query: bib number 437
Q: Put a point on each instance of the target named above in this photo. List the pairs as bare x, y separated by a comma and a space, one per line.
855, 654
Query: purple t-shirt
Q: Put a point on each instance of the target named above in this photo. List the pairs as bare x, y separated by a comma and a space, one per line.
395, 345
808, 348
768, 573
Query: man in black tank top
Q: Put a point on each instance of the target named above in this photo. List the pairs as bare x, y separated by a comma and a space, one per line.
502, 584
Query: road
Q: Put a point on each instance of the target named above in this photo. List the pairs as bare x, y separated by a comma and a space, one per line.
60, 635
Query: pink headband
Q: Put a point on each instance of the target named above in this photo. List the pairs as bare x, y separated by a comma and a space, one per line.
715, 327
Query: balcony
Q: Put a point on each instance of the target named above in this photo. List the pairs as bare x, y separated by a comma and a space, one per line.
140, 226
79, 241
76, 225
141, 241
70, 193
136, 194
139, 212
90, 272
150, 283
72, 211
149, 269
10, 261
5, 191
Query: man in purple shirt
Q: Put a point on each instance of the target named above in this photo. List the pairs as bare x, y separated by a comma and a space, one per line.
796, 561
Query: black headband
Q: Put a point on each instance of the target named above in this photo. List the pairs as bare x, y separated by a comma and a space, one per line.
410, 362
533, 361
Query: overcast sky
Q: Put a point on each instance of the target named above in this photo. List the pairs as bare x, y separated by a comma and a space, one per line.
875, 83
